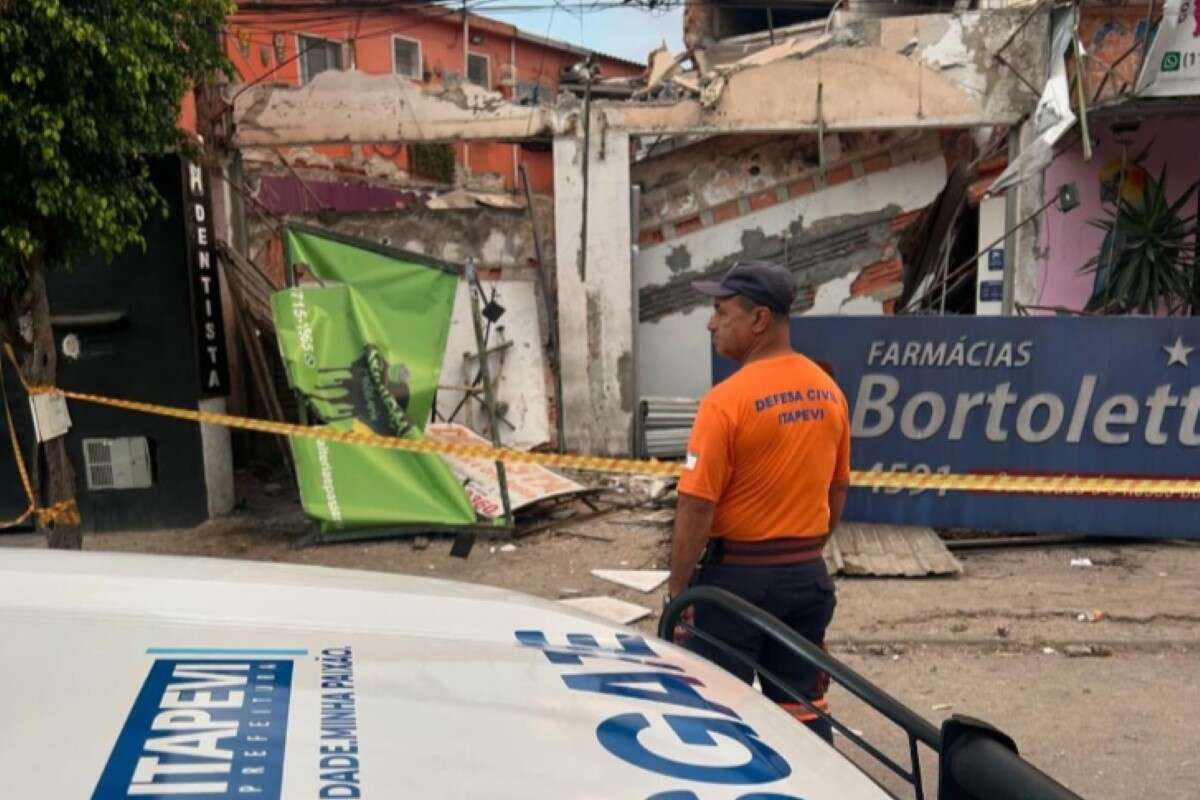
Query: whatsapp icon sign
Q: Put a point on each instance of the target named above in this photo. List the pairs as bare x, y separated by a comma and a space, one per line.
1171, 61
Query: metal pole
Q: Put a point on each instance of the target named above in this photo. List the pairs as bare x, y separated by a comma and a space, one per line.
1012, 200
466, 76
587, 157
551, 315
489, 398
1081, 91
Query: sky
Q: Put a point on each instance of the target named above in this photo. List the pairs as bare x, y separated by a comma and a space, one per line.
627, 32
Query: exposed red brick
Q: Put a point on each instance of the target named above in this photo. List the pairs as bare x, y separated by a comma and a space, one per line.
725, 212
978, 189
763, 199
993, 164
879, 163
802, 187
877, 276
689, 225
650, 237
838, 175
902, 221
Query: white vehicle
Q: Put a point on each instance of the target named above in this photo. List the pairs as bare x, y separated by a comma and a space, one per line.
146, 676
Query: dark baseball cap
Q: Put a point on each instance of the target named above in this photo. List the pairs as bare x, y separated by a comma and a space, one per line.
765, 283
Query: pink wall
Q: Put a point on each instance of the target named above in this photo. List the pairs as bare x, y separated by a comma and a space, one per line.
1067, 240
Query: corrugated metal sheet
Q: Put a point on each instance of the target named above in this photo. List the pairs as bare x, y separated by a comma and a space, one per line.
663, 425
902, 551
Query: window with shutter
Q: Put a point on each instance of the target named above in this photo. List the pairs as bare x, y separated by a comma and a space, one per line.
318, 55
406, 57
477, 70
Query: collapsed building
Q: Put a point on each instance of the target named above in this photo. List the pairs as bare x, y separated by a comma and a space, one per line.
892, 157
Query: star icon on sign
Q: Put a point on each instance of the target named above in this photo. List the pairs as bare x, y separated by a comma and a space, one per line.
1177, 352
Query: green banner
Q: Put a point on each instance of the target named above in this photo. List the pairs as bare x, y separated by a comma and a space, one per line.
363, 346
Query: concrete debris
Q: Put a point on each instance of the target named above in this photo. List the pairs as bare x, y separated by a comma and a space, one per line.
460, 199
689, 81
352, 107
710, 84
1087, 651
1048, 651
1082, 563
943, 706
644, 580
609, 608
710, 95
796, 47
893, 650
567, 592
508, 548
661, 64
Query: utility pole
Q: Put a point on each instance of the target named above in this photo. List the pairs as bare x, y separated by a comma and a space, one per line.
587, 71
466, 76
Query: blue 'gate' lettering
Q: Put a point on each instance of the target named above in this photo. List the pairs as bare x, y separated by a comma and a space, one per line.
619, 736
677, 689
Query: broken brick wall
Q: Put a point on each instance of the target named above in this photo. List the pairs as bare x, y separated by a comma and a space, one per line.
705, 206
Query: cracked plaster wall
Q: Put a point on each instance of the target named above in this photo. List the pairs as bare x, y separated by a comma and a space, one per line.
495, 238
724, 168
837, 232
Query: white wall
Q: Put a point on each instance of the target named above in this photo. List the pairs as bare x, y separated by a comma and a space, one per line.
521, 368
596, 313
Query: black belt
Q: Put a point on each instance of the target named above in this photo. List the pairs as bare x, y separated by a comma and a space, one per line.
766, 552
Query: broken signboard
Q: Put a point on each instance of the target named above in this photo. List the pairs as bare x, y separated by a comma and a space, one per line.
527, 483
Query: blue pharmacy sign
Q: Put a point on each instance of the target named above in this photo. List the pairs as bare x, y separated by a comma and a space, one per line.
1118, 397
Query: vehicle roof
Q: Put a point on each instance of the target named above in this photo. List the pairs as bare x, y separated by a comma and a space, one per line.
126, 672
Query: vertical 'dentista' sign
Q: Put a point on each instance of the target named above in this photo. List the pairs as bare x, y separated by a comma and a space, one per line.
211, 358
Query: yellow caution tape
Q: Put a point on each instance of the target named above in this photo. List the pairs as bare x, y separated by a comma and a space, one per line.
64, 511
997, 483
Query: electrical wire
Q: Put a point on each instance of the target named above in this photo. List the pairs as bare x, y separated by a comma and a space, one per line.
596, 5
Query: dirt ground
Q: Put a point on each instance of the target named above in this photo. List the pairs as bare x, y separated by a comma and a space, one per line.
995, 643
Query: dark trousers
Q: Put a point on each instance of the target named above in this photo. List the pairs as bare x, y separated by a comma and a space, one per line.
799, 595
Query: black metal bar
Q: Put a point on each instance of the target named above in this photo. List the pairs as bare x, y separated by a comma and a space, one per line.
551, 312
909, 721
488, 391
1016, 72
915, 755
985, 768
845, 730
976, 761
1033, 12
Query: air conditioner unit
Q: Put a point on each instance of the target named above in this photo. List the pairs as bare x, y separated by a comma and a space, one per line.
122, 463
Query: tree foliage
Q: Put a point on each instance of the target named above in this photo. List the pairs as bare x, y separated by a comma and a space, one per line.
89, 91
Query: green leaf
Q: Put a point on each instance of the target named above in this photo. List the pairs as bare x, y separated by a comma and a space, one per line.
88, 92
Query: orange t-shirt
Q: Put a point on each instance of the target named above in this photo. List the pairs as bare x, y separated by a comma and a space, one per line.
766, 444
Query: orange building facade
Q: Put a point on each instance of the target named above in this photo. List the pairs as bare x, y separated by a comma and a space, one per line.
432, 46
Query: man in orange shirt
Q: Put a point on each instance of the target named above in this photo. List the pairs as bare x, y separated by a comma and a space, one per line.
764, 484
